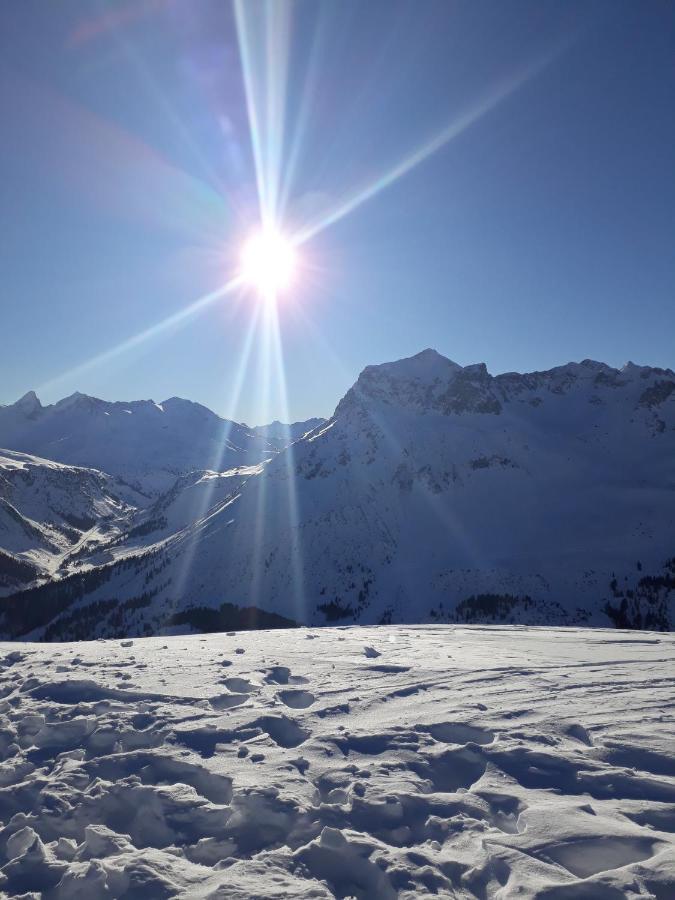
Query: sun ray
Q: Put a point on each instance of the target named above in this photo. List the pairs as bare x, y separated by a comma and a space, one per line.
245, 44
263, 36
128, 47
287, 174
216, 463
277, 44
288, 457
142, 337
457, 127
259, 530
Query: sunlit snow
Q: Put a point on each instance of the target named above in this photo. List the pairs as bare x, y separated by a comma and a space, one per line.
466, 762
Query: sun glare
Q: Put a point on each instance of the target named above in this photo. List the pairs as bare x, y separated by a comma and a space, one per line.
268, 262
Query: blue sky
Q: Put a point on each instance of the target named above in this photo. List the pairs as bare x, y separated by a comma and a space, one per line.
541, 232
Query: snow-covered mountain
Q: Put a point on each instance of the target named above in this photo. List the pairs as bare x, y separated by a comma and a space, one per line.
146, 443
279, 434
435, 493
50, 512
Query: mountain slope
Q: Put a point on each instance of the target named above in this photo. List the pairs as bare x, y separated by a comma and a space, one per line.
438, 492
279, 434
49, 512
148, 444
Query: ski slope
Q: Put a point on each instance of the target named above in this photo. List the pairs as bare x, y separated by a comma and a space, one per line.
383, 762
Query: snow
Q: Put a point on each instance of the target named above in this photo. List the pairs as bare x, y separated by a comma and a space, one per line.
466, 762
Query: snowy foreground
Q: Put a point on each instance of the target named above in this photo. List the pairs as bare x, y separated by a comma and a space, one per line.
373, 763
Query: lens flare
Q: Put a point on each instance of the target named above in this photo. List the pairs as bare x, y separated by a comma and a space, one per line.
268, 262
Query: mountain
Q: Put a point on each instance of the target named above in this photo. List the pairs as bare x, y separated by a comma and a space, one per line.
147, 444
279, 434
50, 512
435, 492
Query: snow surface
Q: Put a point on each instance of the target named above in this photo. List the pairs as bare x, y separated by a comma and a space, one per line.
387, 762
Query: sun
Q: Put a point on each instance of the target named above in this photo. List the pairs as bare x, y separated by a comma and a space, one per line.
268, 262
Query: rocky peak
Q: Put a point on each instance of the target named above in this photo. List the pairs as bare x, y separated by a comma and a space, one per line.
29, 404
426, 382
77, 400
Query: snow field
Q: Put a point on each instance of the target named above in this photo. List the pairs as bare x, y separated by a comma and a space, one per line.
388, 762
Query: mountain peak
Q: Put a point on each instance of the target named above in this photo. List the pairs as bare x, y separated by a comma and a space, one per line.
425, 382
29, 403
431, 355
77, 399
188, 407
428, 365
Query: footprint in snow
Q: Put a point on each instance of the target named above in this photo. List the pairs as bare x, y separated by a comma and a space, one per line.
239, 685
297, 699
278, 675
458, 733
227, 701
282, 675
283, 731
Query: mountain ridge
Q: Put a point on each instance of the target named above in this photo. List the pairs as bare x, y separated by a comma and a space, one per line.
423, 363
146, 443
435, 492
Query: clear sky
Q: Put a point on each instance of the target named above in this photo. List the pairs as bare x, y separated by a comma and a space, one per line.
525, 216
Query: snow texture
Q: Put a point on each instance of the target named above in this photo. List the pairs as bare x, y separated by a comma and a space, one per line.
395, 762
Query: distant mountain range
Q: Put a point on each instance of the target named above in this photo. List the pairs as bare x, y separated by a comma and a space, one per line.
145, 443
434, 493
